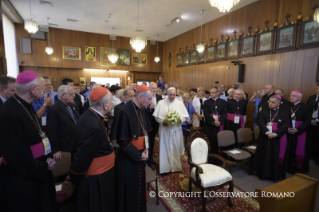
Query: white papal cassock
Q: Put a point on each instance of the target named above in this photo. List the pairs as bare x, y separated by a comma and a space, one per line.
171, 145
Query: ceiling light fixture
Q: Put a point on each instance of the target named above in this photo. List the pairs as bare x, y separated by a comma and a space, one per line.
316, 15
201, 47
224, 5
138, 43
29, 25
49, 48
113, 57
157, 58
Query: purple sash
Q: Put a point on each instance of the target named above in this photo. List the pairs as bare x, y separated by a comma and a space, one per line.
221, 127
300, 149
283, 145
231, 117
37, 151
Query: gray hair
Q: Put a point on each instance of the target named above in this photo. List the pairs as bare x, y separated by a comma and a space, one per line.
120, 93
4, 81
23, 88
214, 87
100, 102
127, 90
186, 95
63, 89
277, 99
230, 90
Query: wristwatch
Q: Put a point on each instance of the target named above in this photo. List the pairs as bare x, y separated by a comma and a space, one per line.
46, 105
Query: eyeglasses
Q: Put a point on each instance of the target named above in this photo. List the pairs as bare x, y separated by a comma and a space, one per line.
71, 94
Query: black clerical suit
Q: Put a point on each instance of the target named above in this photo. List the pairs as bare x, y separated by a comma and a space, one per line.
1, 103
117, 108
297, 147
77, 103
285, 104
97, 192
25, 182
130, 168
218, 107
313, 131
155, 126
268, 161
264, 103
61, 128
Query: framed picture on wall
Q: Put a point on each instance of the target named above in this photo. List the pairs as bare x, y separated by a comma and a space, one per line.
135, 58
124, 57
221, 51
193, 57
201, 57
71, 53
179, 60
248, 46
233, 49
25, 45
104, 57
144, 58
286, 38
265, 42
90, 54
82, 80
309, 34
186, 59
210, 54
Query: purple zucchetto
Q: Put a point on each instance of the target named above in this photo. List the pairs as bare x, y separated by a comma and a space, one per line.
26, 77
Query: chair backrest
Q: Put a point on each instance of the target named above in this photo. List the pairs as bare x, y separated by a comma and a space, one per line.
199, 151
194, 129
244, 135
62, 166
256, 132
225, 138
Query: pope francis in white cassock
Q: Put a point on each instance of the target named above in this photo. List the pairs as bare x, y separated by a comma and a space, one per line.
171, 145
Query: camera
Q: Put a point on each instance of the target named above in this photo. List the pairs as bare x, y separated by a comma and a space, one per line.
109, 116
258, 91
236, 86
235, 62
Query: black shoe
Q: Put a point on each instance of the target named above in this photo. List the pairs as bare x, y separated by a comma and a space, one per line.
164, 174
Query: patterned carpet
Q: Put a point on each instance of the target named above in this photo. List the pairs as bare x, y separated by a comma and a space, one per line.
178, 182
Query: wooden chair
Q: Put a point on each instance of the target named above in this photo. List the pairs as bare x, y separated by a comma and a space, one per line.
61, 168
226, 138
256, 132
245, 136
203, 175
194, 129
151, 177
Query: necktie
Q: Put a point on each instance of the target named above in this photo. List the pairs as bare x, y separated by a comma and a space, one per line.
68, 107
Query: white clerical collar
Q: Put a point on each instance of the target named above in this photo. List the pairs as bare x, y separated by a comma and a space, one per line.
96, 111
296, 103
269, 94
215, 99
237, 100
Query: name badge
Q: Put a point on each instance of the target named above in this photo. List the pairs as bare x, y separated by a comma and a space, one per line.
315, 114
269, 127
146, 142
215, 117
293, 123
260, 109
47, 145
236, 119
44, 121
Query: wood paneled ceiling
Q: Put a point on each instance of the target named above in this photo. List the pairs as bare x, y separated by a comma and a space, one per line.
99, 16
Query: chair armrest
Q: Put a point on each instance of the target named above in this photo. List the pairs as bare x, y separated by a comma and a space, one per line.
198, 169
225, 161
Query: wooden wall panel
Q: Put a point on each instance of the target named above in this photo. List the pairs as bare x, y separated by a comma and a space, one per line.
62, 37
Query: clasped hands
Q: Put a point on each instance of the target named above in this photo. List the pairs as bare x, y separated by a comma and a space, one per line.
217, 123
271, 135
292, 130
144, 155
51, 163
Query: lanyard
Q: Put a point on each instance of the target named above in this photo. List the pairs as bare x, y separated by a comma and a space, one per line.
293, 115
271, 120
140, 119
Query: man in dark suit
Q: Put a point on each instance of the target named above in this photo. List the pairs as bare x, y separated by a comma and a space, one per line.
269, 91
128, 95
149, 112
285, 104
223, 90
77, 102
313, 131
61, 120
7, 88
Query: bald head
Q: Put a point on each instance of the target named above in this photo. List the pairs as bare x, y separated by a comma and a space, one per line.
153, 87
269, 88
238, 93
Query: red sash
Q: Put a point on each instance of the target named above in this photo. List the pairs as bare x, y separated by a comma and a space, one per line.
231, 117
221, 127
300, 149
37, 151
139, 143
101, 164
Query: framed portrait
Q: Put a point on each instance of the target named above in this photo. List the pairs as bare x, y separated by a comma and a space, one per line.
25, 45
135, 58
104, 60
186, 58
144, 58
193, 59
309, 34
124, 57
71, 53
82, 80
233, 49
286, 38
221, 51
248, 46
201, 57
90, 54
265, 42
210, 54
179, 60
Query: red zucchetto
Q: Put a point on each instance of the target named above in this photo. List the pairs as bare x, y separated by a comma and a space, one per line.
142, 88
26, 77
97, 94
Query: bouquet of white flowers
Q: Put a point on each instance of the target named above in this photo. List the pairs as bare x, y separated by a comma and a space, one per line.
173, 118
